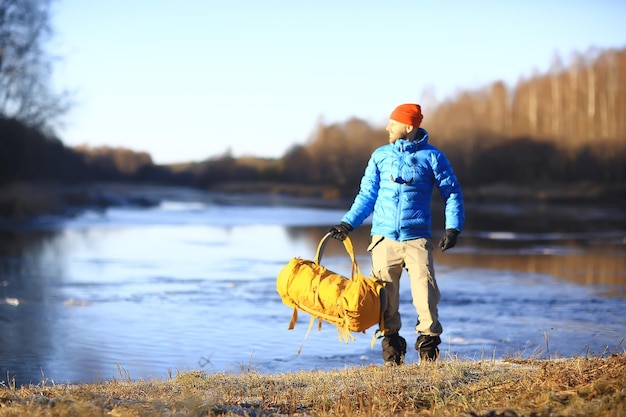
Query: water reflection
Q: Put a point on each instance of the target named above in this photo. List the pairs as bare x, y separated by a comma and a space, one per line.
598, 259
25, 290
585, 263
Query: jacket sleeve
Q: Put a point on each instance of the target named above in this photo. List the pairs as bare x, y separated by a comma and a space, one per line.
450, 191
364, 201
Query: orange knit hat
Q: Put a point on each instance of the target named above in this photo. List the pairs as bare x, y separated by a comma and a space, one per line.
409, 114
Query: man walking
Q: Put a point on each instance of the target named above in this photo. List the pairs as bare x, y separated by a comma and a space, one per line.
397, 188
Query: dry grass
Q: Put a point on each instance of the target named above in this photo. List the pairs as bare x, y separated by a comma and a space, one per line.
565, 387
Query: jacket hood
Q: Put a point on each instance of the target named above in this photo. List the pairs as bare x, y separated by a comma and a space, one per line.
415, 140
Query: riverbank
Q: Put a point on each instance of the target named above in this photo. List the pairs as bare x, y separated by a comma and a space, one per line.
27, 200
591, 386
24, 201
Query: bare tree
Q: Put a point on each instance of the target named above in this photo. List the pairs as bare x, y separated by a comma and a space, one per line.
25, 67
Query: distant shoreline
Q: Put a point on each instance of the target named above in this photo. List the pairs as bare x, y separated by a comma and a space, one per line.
28, 200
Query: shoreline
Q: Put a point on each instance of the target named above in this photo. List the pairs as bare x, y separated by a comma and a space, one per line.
499, 388
29, 200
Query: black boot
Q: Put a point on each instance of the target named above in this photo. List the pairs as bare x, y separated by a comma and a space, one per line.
394, 349
427, 348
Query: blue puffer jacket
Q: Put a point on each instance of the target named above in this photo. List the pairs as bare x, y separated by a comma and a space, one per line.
397, 186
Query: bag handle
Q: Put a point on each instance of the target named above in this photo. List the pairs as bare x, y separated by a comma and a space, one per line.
347, 243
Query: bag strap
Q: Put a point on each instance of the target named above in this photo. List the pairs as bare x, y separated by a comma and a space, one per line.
347, 243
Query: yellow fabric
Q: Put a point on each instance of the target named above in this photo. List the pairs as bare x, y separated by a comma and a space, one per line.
353, 305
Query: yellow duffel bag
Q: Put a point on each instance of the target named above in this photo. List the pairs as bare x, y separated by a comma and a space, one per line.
352, 304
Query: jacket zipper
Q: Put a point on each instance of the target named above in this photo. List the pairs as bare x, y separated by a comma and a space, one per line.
400, 191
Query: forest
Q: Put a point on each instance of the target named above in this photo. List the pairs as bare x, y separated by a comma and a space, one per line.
565, 126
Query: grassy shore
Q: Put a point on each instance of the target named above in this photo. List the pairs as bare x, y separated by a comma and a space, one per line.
591, 386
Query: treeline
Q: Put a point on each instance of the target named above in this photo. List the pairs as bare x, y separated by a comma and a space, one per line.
28, 154
568, 125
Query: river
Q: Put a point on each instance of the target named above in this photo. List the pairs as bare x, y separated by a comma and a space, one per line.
190, 284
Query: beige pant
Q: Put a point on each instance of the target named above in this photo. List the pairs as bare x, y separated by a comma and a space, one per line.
389, 259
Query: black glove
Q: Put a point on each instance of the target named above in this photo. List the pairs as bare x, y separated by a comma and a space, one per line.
340, 231
449, 239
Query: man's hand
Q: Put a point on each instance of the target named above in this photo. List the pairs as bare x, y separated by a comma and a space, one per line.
449, 239
340, 231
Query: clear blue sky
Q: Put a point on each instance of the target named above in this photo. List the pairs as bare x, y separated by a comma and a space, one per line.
191, 79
